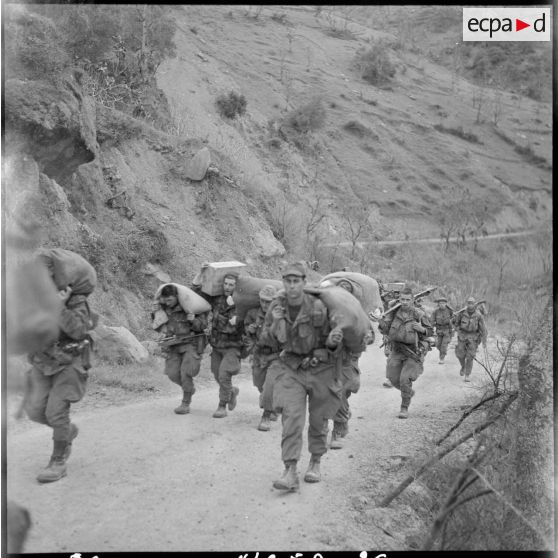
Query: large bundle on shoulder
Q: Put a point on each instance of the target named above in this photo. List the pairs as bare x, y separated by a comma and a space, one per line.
346, 313
69, 269
365, 288
246, 293
189, 301
33, 308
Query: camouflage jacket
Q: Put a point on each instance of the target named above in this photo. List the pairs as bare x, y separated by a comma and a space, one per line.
75, 323
179, 325
301, 336
470, 325
441, 319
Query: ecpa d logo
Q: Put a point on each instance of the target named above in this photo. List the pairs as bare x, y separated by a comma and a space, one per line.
506, 24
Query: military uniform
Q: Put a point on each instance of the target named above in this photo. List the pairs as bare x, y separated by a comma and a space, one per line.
226, 342
183, 360
471, 330
263, 354
441, 321
57, 379
305, 369
350, 379
405, 363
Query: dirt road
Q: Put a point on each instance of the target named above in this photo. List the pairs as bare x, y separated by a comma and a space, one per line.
141, 478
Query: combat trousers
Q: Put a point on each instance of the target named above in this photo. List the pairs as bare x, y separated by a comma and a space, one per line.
402, 371
351, 384
225, 363
465, 351
263, 379
292, 389
49, 397
182, 367
443, 338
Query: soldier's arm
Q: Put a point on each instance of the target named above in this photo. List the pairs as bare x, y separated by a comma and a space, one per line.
268, 334
425, 322
74, 320
482, 330
199, 323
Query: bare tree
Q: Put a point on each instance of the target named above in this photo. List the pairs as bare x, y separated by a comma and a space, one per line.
356, 218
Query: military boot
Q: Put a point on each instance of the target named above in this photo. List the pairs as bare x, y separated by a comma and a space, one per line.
387, 383
73, 433
234, 396
221, 410
264, 425
184, 407
442, 359
403, 413
336, 440
56, 468
313, 472
273, 416
289, 478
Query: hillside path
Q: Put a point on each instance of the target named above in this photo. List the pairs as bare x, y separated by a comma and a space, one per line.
141, 478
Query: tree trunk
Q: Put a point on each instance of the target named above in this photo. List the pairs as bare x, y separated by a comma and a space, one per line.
532, 450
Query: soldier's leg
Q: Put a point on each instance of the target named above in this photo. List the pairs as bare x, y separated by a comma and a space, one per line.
68, 386
444, 345
393, 368
470, 352
410, 372
290, 392
37, 397
460, 354
258, 372
172, 367
216, 359
189, 369
229, 367
324, 400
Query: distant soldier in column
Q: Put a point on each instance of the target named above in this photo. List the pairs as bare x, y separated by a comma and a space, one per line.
263, 354
471, 331
225, 340
441, 322
184, 346
351, 384
407, 329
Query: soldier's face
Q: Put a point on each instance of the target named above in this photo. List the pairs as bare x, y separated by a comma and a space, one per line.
264, 304
406, 300
442, 304
470, 305
171, 301
228, 286
293, 287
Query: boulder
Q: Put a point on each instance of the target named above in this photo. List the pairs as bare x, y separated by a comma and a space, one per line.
118, 344
196, 168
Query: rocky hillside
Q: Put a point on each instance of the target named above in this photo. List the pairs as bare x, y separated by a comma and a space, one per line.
404, 152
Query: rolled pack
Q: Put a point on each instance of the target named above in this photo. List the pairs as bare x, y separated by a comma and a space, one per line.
33, 308
69, 269
189, 302
346, 313
365, 289
246, 292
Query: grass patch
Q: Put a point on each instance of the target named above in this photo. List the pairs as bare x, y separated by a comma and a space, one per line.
459, 132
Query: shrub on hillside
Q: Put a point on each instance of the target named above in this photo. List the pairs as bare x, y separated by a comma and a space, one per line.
33, 46
231, 105
307, 118
375, 65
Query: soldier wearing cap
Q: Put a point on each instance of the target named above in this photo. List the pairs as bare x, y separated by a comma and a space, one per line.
471, 330
305, 371
225, 339
407, 329
263, 354
441, 321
